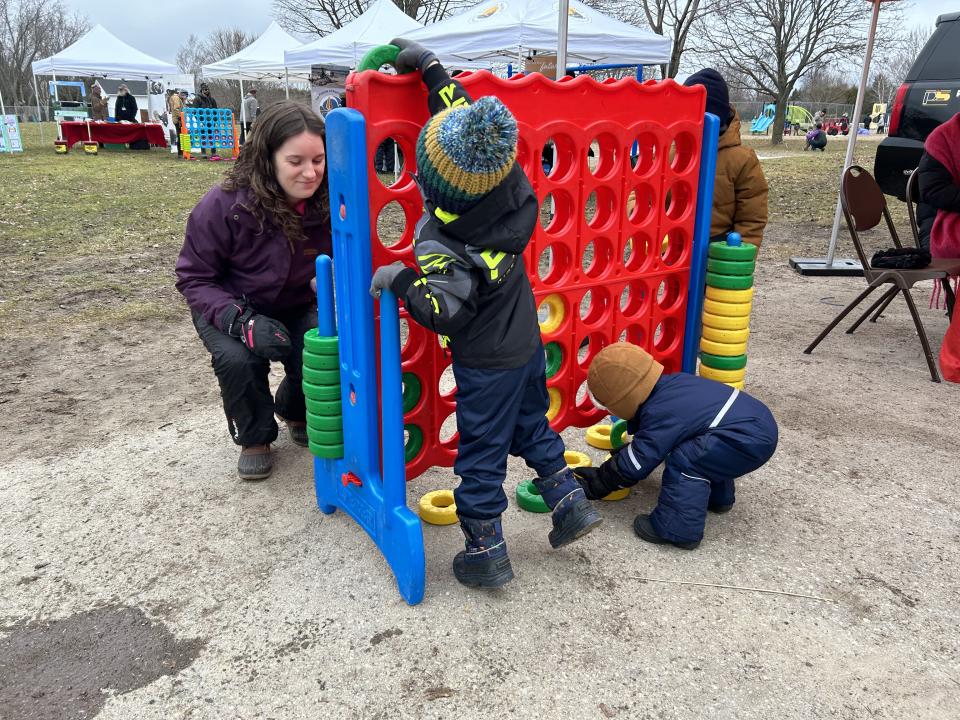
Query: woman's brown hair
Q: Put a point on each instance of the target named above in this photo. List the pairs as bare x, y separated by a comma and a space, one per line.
254, 168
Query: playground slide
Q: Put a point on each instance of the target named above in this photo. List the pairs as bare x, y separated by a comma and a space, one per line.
761, 124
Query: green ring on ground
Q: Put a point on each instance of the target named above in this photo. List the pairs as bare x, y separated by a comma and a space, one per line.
330, 452
617, 432
324, 407
730, 267
730, 282
529, 499
321, 345
380, 55
719, 362
321, 392
414, 443
325, 423
325, 437
722, 251
554, 358
320, 362
412, 390
321, 377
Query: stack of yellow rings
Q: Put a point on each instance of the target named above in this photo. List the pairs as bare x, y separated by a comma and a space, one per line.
726, 311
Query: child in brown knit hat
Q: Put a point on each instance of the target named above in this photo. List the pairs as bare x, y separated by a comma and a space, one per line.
707, 433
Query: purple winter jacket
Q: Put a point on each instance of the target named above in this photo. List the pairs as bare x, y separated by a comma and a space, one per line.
227, 255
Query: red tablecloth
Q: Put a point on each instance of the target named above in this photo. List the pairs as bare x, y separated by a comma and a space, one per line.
107, 132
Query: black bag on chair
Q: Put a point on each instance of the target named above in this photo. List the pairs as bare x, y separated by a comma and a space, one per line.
900, 259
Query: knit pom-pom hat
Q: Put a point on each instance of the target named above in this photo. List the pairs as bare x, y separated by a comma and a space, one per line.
464, 152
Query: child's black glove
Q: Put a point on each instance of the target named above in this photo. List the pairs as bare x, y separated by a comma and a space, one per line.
598, 482
413, 56
263, 336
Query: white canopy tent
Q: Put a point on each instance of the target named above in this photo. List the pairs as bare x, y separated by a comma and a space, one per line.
378, 25
504, 31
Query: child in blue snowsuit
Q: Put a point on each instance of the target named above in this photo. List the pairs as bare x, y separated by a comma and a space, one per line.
707, 434
471, 288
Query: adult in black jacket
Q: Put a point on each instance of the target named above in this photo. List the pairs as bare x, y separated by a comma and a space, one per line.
125, 108
938, 191
206, 100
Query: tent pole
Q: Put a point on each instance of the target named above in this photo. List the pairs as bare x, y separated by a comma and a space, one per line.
854, 125
243, 115
36, 93
3, 108
286, 82
564, 10
56, 90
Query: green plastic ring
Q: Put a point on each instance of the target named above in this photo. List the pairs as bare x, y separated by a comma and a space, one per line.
529, 499
330, 452
320, 362
324, 407
378, 56
325, 437
312, 342
321, 392
321, 377
731, 267
730, 282
719, 362
554, 358
414, 442
722, 251
412, 390
617, 433
326, 423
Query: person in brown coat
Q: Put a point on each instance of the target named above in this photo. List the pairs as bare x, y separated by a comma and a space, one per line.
739, 189
98, 105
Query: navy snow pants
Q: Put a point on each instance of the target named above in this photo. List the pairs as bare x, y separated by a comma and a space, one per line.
700, 473
501, 413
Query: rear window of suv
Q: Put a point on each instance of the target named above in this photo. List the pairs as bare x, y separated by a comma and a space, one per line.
940, 57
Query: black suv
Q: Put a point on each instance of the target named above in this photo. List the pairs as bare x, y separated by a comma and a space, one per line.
930, 95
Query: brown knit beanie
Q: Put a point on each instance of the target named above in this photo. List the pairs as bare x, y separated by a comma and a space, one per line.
622, 377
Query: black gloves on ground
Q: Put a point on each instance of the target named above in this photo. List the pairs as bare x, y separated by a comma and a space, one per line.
598, 482
413, 56
263, 336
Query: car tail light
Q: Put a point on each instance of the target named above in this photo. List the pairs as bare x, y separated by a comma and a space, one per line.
897, 111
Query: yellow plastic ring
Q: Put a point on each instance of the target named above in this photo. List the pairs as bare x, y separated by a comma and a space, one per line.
727, 309
598, 436
730, 296
724, 376
725, 336
575, 459
618, 494
725, 349
555, 401
737, 385
721, 322
556, 311
438, 508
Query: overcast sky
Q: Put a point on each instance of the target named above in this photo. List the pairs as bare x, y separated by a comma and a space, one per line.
158, 27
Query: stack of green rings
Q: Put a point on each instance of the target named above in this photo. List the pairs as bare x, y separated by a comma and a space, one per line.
321, 388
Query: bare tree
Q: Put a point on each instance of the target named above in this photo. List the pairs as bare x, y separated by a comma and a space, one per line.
196, 52
673, 19
32, 30
321, 17
774, 44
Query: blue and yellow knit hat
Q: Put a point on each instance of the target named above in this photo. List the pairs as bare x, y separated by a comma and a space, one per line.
464, 152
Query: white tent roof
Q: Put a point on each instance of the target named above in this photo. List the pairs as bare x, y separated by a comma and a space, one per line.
261, 59
379, 24
494, 30
101, 54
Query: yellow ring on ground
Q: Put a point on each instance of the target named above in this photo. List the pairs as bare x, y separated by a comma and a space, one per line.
727, 309
555, 315
618, 494
724, 376
730, 296
725, 349
575, 459
721, 322
737, 385
556, 400
725, 336
438, 508
598, 436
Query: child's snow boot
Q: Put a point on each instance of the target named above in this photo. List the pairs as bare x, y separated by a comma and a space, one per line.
573, 515
484, 562
644, 530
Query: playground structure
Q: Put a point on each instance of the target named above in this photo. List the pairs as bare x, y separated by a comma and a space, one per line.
798, 117
599, 274
208, 129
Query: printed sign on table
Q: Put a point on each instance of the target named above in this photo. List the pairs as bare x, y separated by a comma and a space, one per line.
10, 134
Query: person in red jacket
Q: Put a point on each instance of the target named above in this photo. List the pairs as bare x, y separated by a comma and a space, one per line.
245, 269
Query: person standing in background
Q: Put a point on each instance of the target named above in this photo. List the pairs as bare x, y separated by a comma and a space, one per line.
250, 109
205, 100
175, 107
98, 105
125, 108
